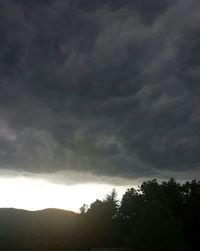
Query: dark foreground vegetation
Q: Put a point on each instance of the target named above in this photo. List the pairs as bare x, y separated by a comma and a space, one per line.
156, 217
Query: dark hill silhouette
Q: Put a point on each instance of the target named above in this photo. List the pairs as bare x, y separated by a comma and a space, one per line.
55, 211
48, 229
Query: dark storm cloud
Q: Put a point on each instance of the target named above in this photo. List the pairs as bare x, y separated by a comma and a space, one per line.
104, 87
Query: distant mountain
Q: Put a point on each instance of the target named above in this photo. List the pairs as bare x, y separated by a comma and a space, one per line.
50, 229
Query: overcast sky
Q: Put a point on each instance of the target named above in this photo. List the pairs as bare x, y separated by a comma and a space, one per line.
100, 89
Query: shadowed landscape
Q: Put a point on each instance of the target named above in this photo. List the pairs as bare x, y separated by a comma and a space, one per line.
96, 94
156, 216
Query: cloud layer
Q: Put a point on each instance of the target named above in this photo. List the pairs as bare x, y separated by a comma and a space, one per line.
109, 88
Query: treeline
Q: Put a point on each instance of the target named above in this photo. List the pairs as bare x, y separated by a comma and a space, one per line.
155, 217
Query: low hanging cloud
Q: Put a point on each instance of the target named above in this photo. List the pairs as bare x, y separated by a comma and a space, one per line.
108, 88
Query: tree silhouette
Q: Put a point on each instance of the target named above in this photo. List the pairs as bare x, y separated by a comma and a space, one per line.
156, 229
175, 205
101, 215
83, 209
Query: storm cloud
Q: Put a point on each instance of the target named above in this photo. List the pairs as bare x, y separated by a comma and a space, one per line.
109, 88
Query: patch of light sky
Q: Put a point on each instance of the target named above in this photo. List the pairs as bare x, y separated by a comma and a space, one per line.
36, 194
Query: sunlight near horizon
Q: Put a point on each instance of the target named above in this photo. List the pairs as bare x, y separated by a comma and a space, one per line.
35, 194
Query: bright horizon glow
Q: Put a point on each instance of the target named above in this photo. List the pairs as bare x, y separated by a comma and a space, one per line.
36, 194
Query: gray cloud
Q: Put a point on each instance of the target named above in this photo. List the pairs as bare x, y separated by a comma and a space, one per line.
108, 88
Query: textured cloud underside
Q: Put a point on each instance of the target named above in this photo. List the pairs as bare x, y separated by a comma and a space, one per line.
109, 88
